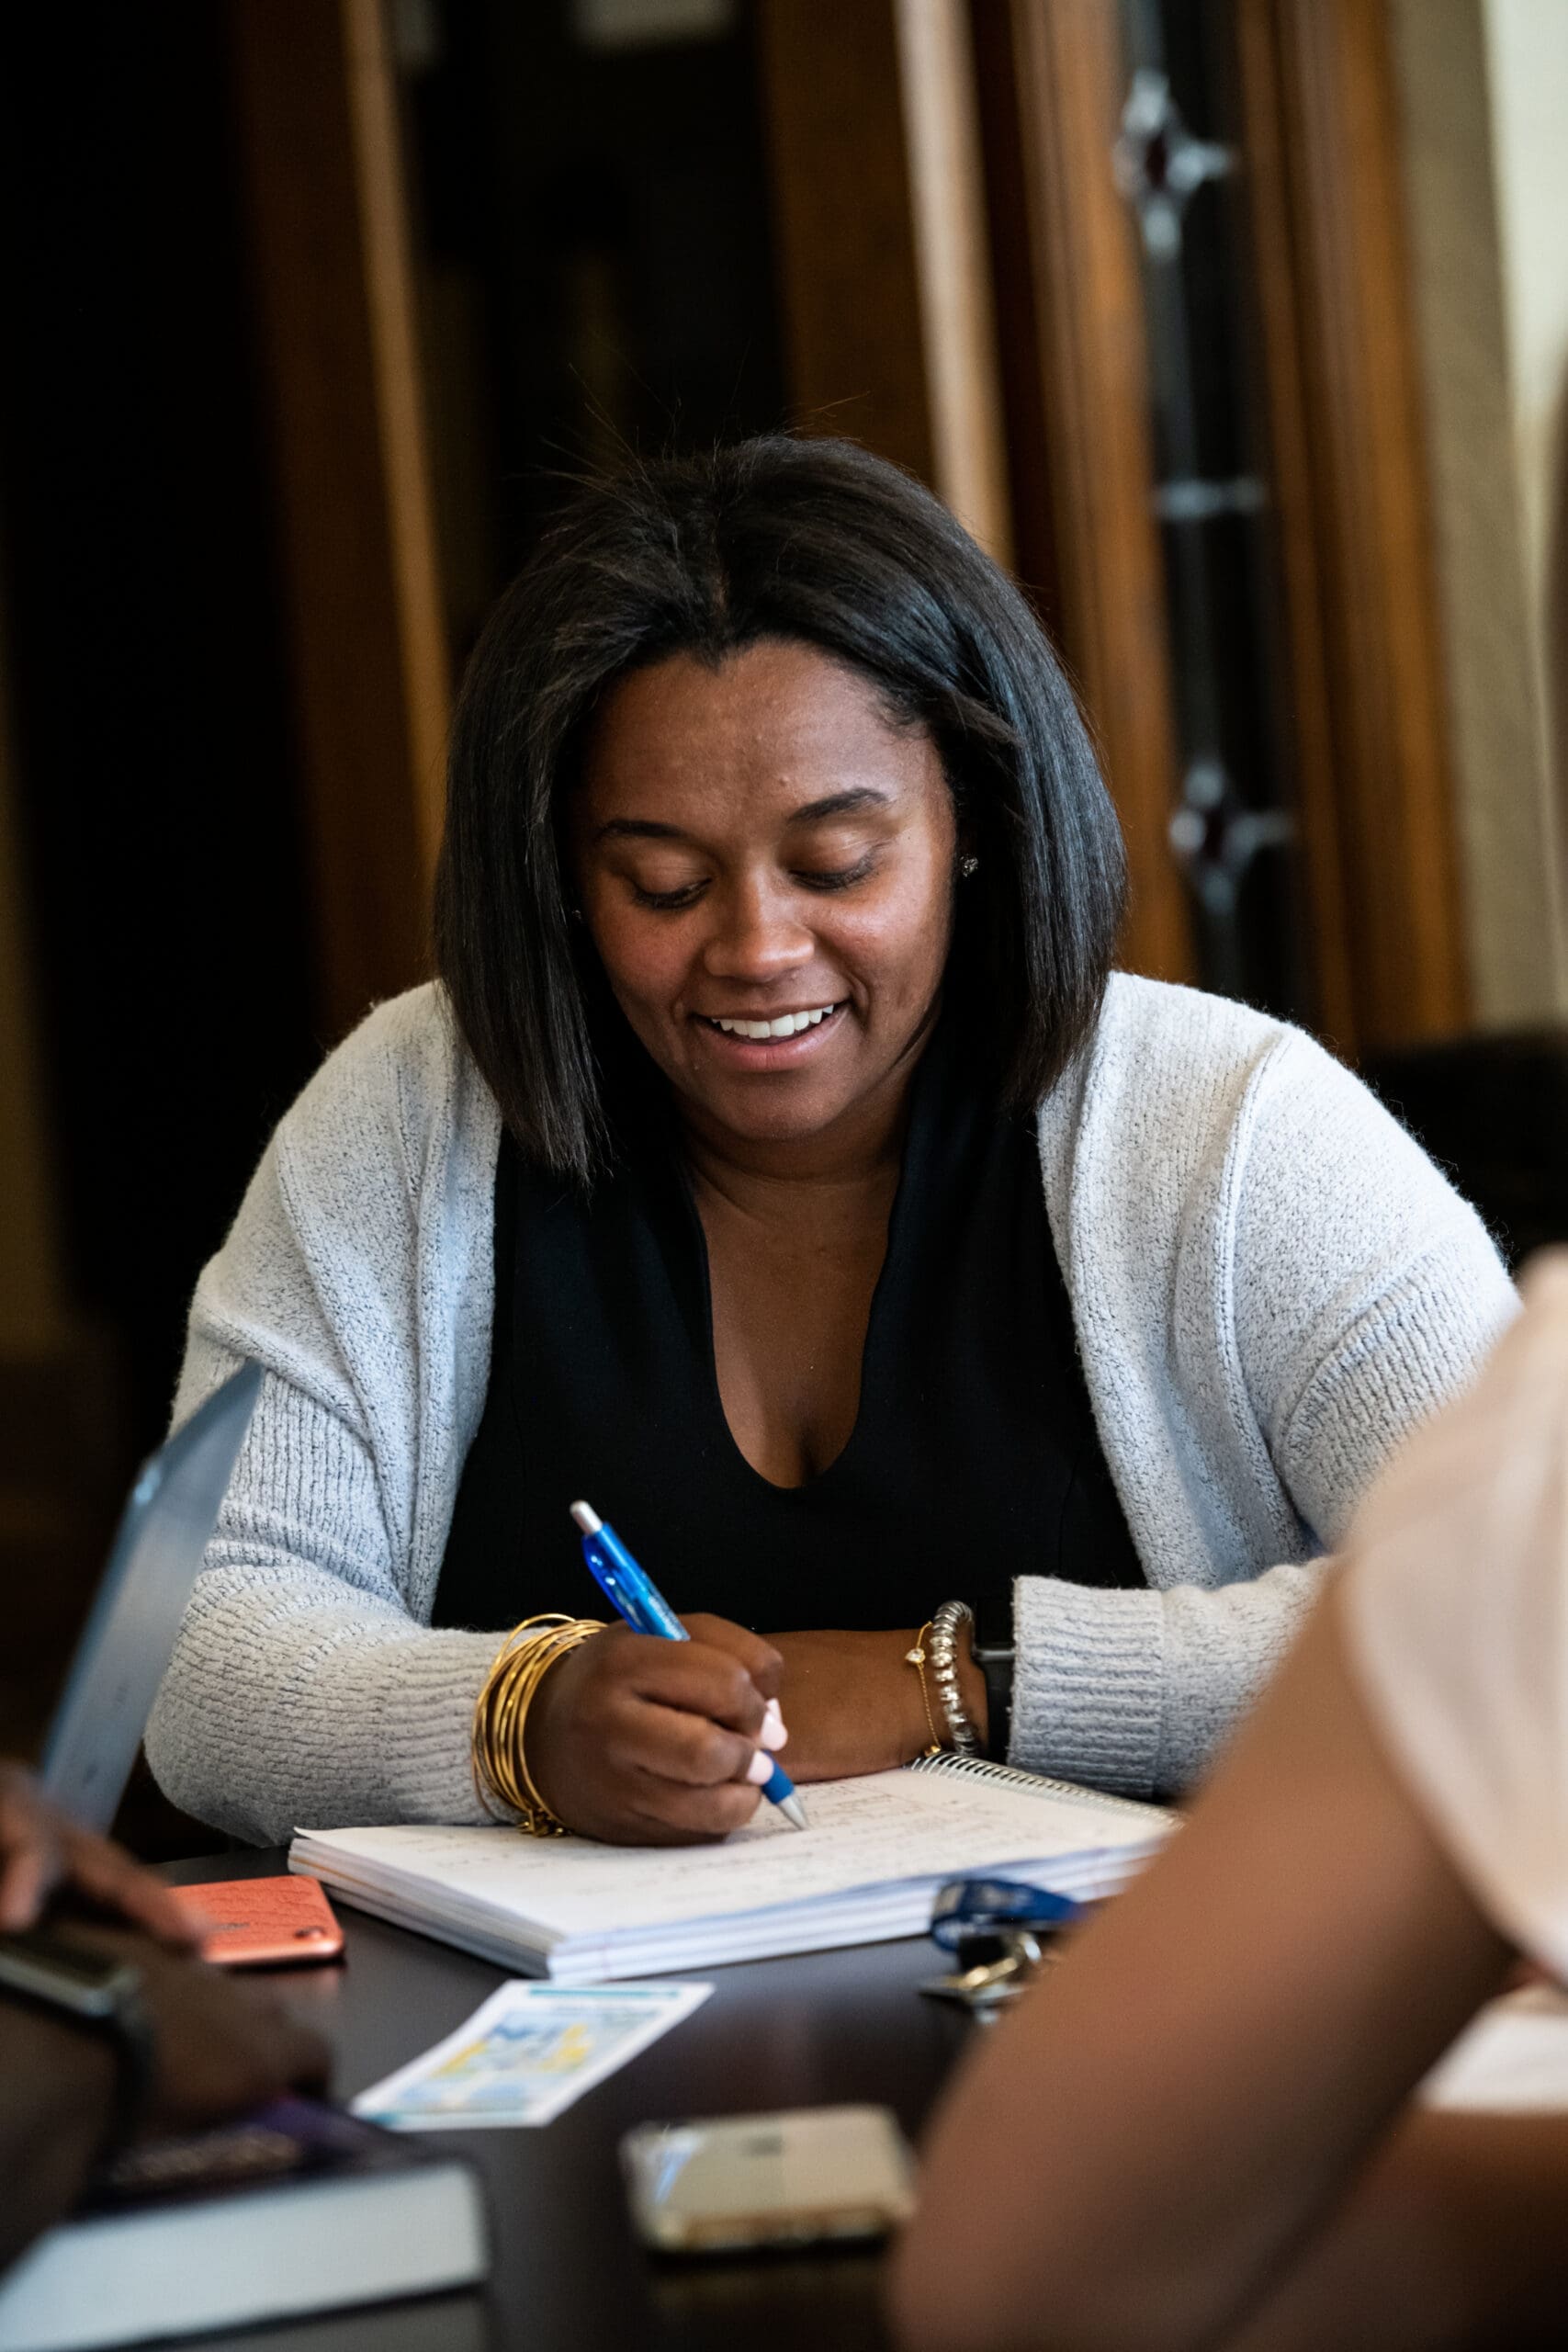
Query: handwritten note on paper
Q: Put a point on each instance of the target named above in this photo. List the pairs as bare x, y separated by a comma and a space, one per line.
864, 1833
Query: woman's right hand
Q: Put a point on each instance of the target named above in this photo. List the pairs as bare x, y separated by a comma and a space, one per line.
643, 1742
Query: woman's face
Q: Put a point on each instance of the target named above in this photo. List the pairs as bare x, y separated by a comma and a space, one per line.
763, 844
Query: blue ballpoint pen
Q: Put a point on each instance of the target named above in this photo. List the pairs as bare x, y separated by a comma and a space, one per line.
630, 1590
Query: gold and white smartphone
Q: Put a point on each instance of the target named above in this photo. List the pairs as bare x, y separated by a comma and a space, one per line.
799, 2177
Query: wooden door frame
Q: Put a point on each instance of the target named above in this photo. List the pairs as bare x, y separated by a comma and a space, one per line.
1353, 502
1075, 377
316, 98
881, 236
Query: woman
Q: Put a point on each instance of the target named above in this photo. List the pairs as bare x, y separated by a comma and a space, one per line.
1191, 2133
775, 1167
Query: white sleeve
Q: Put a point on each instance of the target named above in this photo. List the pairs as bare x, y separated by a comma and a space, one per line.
1456, 1611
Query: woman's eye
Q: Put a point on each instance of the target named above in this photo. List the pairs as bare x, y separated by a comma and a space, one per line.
816, 877
838, 877
684, 896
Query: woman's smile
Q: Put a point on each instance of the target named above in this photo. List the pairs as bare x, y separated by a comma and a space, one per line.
770, 1042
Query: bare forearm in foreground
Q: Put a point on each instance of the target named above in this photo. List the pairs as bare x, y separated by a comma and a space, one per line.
1453, 2237
57, 2086
1137, 2153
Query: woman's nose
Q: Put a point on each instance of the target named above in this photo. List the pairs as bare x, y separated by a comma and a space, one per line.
756, 938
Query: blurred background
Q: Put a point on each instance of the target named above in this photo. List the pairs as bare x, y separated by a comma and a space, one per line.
1238, 328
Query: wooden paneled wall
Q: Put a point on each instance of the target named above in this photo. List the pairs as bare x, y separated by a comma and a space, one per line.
879, 210
1077, 391
1353, 499
959, 291
317, 103
959, 286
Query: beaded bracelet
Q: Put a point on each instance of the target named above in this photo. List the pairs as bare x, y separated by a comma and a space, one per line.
502, 1778
942, 1650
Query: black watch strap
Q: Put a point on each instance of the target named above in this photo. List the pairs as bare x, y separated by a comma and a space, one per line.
991, 1646
96, 1991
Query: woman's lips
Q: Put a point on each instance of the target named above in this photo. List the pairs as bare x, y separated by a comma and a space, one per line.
767, 1053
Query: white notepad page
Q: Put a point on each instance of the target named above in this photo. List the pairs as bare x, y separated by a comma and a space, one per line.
867, 1838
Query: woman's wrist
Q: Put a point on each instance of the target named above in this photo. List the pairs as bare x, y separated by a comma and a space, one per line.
552, 1689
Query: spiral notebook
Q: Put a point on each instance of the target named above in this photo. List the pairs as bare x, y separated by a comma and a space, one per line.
865, 1872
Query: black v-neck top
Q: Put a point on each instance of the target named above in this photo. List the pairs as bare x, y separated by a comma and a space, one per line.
974, 1456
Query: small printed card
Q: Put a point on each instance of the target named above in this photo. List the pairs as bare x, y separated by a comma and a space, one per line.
526, 2055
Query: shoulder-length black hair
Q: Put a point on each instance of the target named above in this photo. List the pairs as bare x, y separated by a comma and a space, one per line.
817, 541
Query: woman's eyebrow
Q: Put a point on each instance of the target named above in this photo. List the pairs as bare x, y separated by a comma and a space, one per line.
638, 828
839, 804
812, 812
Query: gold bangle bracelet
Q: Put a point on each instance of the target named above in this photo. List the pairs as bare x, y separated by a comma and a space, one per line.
917, 1658
502, 1756
498, 1756
501, 1771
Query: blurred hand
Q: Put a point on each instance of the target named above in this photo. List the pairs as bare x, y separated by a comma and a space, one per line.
220, 2047
644, 1742
43, 1853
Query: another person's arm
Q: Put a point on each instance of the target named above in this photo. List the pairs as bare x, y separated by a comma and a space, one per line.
217, 2048
1131, 2157
43, 1853
1144, 2153
1450, 2237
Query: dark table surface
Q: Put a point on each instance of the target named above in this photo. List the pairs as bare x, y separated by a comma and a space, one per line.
825, 2027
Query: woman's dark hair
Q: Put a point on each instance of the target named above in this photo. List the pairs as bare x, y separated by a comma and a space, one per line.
813, 541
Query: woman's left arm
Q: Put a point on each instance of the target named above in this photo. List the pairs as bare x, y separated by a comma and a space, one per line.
1333, 1291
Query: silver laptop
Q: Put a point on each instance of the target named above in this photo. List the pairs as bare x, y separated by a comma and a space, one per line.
130, 1635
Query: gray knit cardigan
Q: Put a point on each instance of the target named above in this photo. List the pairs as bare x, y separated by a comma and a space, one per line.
1270, 1284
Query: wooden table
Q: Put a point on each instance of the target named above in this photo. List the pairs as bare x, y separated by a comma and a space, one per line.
566, 2275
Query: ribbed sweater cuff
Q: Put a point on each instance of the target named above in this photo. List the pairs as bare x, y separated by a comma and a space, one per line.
426, 1722
1088, 1683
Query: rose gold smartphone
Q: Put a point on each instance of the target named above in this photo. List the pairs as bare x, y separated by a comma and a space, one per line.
262, 1922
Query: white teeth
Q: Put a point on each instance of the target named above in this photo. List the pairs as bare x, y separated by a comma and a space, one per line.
786, 1026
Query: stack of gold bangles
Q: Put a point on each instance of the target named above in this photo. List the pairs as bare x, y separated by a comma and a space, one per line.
501, 1717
